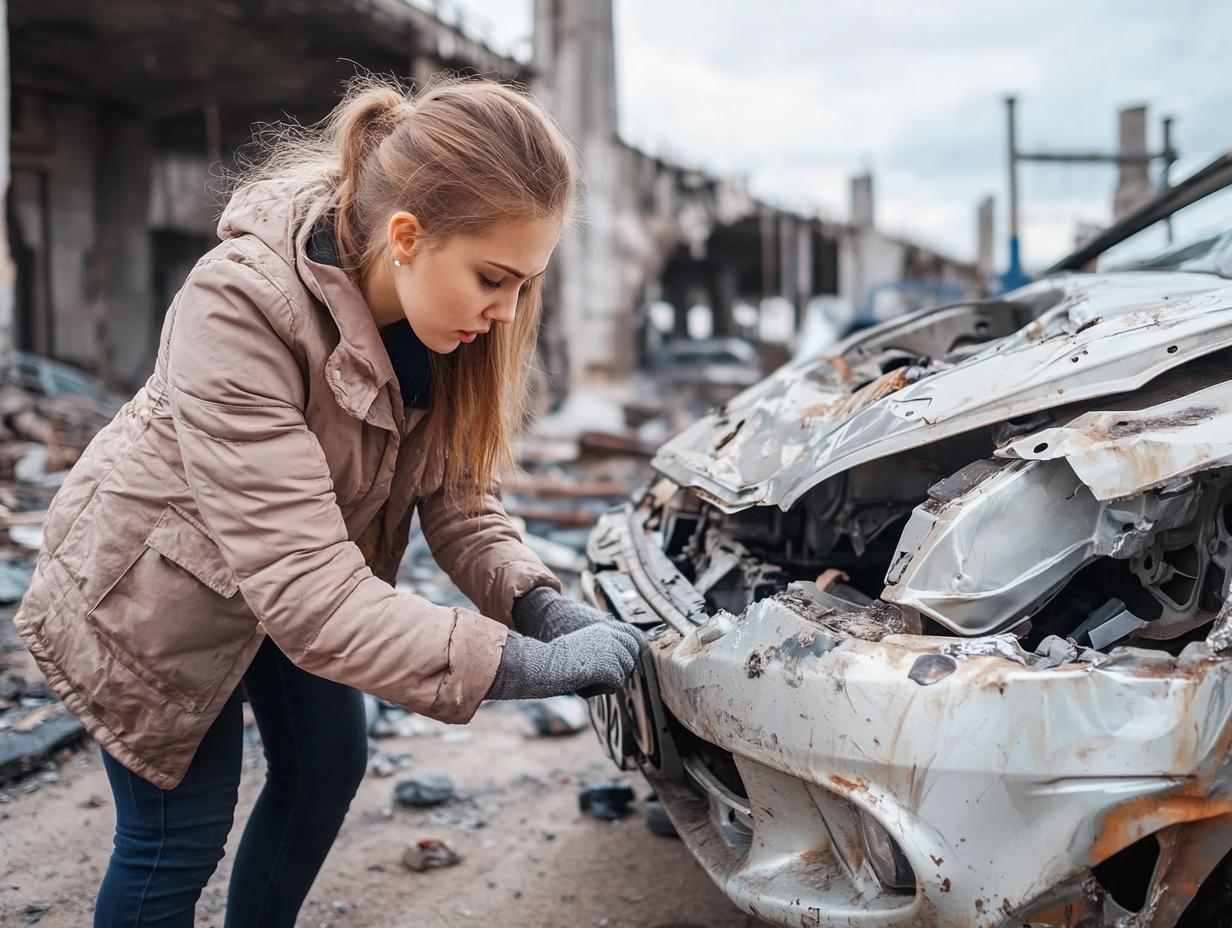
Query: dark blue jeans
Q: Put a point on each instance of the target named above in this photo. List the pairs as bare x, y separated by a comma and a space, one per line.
168, 842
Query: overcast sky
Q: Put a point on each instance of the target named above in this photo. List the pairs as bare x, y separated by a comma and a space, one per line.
798, 96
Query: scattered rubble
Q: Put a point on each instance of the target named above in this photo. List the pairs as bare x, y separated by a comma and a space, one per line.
608, 802
560, 715
386, 765
425, 789
656, 818
29, 742
429, 854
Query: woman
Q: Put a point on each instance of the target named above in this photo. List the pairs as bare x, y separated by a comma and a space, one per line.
355, 350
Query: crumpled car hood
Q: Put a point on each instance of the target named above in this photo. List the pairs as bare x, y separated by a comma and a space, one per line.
1100, 334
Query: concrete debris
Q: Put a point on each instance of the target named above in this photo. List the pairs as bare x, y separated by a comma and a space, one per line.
615, 443
556, 556
425, 789
657, 819
14, 578
396, 722
429, 854
559, 715
17, 690
608, 801
28, 536
35, 718
23, 751
386, 765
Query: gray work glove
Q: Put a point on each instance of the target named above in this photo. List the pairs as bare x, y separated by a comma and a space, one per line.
545, 614
598, 658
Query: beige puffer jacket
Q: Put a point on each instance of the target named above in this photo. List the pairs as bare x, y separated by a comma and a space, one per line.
231, 498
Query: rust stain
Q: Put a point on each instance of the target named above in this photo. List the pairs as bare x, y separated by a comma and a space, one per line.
868, 394
945, 885
938, 861
851, 786
1195, 415
1145, 815
753, 666
725, 439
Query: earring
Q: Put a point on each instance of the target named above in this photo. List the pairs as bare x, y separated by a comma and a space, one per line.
397, 263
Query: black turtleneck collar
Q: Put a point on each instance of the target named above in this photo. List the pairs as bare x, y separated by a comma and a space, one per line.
410, 358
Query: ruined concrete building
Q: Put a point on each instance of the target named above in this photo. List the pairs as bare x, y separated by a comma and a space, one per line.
125, 112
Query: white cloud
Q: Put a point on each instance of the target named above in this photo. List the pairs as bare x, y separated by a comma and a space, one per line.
797, 96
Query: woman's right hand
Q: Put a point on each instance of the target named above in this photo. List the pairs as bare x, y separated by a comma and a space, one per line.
597, 658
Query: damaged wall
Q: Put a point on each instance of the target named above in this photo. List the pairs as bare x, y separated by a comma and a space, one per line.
121, 112
79, 212
7, 271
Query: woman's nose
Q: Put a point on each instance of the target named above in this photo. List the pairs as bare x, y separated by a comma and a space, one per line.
503, 310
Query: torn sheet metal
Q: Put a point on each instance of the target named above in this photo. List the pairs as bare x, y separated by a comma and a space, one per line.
1120, 453
988, 558
950, 747
1108, 334
989, 765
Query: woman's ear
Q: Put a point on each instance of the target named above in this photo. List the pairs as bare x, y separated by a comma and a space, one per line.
404, 234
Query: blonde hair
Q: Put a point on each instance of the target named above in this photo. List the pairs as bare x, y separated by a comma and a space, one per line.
462, 156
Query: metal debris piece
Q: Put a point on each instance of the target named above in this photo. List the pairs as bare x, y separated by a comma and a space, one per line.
780, 454
429, 854
608, 802
422, 790
930, 668
1122, 452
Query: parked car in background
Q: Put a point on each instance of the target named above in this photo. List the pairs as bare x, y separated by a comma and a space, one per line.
940, 632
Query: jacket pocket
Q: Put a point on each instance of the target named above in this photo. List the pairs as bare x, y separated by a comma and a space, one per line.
172, 618
180, 541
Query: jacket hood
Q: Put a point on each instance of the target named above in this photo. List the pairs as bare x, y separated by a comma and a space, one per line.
278, 212
281, 215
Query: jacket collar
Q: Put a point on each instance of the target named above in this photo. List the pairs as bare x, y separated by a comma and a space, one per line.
358, 370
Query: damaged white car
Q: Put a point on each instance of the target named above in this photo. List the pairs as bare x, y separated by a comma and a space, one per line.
939, 624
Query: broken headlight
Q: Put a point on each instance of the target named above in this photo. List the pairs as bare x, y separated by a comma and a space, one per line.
887, 858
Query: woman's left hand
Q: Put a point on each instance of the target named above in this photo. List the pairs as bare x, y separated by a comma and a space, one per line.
545, 614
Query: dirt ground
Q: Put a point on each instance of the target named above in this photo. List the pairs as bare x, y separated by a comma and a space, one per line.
533, 860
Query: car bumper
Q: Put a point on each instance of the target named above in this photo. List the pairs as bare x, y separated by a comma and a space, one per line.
1002, 776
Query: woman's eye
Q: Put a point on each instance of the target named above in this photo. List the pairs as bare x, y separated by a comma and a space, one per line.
490, 284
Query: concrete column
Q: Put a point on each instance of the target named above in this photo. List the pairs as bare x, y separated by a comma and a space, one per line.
804, 269
984, 231
73, 269
129, 328
7, 270
1134, 178
769, 253
789, 284
678, 296
862, 214
723, 300
575, 64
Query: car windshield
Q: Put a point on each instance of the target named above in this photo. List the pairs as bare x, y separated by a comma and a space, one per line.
1202, 237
